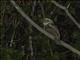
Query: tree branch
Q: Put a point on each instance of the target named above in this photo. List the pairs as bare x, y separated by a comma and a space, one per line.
67, 12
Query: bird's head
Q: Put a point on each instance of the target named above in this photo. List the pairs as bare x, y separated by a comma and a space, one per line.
47, 21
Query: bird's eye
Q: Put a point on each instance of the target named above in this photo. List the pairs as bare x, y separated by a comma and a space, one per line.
47, 20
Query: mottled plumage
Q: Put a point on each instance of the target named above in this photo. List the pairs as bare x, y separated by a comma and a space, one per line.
50, 27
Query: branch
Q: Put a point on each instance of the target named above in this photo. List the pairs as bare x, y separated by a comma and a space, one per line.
67, 12
41, 30
30, 45
33, 7
31, 42
42, 9
14, 32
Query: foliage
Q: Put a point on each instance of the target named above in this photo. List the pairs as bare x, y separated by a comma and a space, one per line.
10, 54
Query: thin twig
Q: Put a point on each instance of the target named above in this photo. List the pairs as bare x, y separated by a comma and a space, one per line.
30, 44
51, 51
58, 5
41, 30
12, 38
42, 9
30, 41
67, 12
30, 30
33, 7
68, 5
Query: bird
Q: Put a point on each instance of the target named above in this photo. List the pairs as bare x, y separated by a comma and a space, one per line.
51, 28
